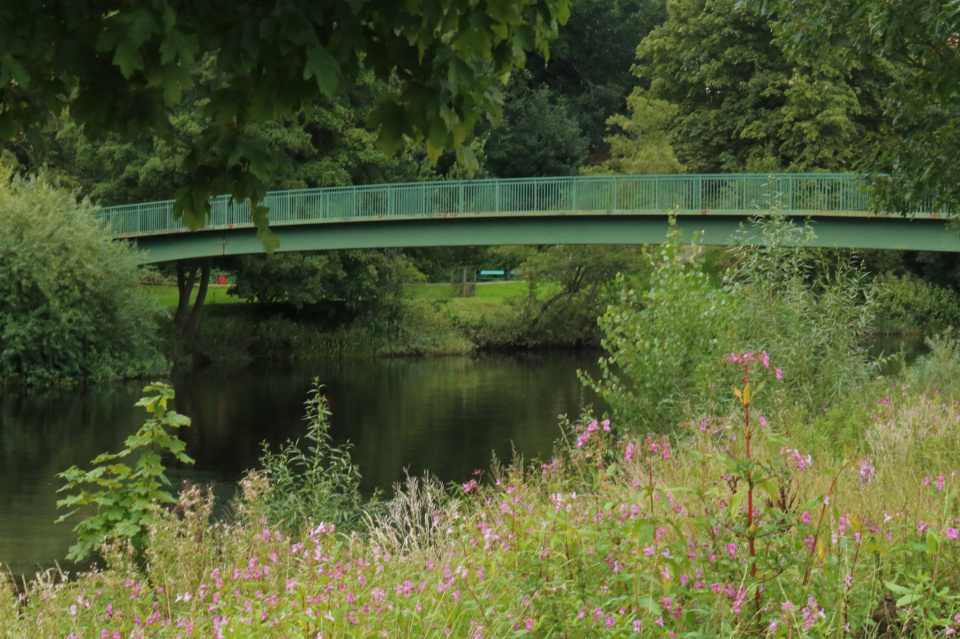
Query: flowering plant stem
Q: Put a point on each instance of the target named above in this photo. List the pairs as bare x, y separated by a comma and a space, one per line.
816, 535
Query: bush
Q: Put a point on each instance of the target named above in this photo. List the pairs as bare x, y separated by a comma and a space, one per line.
939, 369
909, 304
665, 343
812, 311
312, 483
71, 306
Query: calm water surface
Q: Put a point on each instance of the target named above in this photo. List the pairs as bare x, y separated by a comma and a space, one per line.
445, 415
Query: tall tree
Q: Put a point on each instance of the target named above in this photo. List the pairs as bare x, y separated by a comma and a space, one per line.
538, 136
915, 154
742, 104
642, 145
123, 66
591, 62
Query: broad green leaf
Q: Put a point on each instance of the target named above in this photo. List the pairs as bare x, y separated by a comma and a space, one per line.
735, 502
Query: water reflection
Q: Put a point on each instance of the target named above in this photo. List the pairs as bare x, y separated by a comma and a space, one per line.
446, 415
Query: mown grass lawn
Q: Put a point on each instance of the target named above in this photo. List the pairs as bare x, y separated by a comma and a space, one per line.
167, 295
489, 296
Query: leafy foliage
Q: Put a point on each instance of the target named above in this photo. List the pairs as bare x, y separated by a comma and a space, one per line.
908, 304
323, 144
538, 136
125, 500
313, 485
743, 105
642, 147
664, 342
125, 70
359, 281
591, 61
915, 152
71, 308
812, 311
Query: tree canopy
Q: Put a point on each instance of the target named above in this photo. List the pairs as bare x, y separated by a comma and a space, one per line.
124, 65
916, 149
71, 305
744, 104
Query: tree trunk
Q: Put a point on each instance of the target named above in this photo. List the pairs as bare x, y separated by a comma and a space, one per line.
185, 281
194, 322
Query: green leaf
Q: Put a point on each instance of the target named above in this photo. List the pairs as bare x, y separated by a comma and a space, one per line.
933, 543
908, 600
735, 503
897, 589
324, 67
392, 120
128, 57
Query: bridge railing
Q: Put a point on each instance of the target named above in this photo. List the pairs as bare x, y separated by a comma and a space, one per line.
840, 194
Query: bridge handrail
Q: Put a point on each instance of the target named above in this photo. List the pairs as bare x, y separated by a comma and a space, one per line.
804, 193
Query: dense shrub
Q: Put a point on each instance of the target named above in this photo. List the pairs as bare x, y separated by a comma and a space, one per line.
909, 304
664, 343
71, 308
812, 308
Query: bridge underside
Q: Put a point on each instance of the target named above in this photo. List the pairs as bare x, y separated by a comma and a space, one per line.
718, 229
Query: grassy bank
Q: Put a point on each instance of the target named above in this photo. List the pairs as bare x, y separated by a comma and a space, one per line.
726, 526
429, 322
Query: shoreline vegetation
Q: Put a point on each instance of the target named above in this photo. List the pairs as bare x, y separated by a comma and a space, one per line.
753, 520
781, 490
431, 322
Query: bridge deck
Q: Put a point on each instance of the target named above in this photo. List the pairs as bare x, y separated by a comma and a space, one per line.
376, 215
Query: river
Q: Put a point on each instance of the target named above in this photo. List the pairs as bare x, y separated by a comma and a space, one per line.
446, 415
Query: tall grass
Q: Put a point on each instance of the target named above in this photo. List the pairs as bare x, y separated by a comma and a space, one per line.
647, 536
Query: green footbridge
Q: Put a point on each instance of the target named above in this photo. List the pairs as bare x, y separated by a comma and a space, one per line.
623, 209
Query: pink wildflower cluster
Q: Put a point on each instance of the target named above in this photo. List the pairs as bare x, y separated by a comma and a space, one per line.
749, 358
867, 471
592, 427
793, 454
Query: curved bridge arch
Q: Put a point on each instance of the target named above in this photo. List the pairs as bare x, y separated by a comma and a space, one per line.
571, 210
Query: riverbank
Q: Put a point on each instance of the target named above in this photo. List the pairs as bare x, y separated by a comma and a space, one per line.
613, 535
429, 321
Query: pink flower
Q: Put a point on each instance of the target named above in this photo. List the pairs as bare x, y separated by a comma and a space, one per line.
953, 533
806, 517
779, 374
867, 471
628, 455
